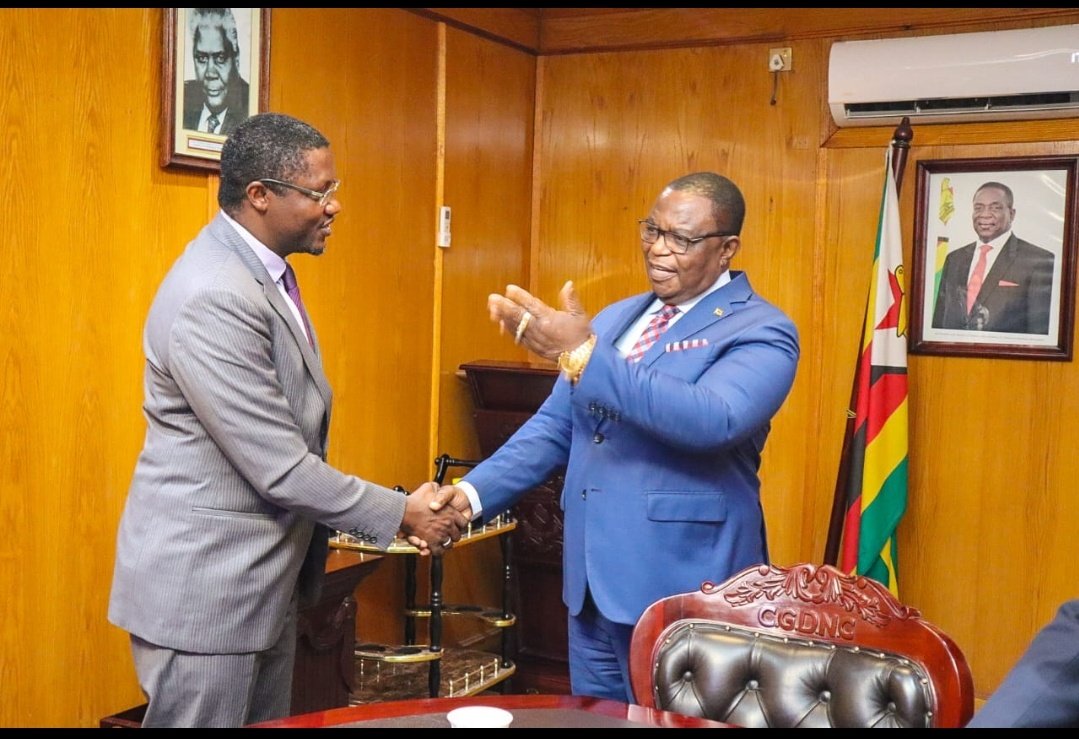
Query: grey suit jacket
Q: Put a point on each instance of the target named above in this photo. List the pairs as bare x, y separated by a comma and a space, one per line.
220, 528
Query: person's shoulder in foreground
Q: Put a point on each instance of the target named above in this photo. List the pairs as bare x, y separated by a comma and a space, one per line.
1042, 688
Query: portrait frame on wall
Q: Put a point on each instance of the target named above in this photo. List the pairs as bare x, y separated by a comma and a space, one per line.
206, 92
1019, 301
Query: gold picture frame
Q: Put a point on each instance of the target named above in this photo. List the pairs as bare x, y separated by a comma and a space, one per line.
229, 72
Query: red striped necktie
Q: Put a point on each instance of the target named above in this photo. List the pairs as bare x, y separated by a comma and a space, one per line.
976, 279
652, 332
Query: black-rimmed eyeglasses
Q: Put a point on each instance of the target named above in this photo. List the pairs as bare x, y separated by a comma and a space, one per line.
322, 198
677, 243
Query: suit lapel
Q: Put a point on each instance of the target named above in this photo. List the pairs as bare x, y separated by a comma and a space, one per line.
631, 313
714, 307
220, 228
1001, 266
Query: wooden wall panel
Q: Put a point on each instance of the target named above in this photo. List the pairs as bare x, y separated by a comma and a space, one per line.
489, 112
570, 30
488, 166
519, 27
378, 110
91, 225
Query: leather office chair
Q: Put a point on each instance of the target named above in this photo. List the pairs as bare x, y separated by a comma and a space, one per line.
804, 646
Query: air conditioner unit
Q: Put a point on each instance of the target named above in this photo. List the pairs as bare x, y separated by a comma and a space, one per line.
959, 78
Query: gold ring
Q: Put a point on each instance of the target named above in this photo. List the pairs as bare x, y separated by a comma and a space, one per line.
521, 326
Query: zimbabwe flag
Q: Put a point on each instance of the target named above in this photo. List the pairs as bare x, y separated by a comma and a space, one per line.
876, 486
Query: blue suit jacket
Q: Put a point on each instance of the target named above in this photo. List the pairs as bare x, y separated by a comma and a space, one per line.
661, 490
1042, 689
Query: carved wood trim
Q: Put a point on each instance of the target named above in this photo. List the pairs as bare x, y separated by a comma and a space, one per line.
815, 585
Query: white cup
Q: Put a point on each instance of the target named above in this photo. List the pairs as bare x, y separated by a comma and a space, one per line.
479, 717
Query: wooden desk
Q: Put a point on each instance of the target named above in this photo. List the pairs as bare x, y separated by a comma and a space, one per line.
529, 711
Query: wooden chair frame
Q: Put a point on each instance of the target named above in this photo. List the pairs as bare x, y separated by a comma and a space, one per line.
821, 604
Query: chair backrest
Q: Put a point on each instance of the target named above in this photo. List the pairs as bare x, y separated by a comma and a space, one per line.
800, 646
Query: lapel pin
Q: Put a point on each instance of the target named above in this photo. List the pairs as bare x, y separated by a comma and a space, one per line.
718, 312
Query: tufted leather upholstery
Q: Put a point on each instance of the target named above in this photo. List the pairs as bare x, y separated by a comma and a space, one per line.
804, 646
755, 680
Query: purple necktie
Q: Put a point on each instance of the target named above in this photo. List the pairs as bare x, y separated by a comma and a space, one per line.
655, 327
293, 290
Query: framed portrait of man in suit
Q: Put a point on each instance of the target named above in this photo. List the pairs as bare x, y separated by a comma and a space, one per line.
994, 257
215, 69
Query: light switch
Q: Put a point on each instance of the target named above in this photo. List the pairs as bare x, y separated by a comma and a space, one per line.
444, 226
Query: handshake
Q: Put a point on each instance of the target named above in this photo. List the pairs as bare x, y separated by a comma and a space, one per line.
435, 517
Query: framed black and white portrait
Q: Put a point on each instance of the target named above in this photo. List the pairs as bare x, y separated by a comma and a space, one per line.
994, 257
215, 75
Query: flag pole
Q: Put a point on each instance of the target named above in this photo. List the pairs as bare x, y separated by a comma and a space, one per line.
901, 139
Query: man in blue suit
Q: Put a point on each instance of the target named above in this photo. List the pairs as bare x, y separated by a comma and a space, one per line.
661, 444
1042, 688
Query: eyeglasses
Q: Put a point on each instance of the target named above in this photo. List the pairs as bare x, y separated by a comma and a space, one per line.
322, 198
677, 243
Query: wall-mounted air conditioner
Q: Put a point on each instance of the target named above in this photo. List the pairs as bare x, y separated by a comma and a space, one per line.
964, 77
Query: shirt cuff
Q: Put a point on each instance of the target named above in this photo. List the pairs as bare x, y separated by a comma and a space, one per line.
473, 498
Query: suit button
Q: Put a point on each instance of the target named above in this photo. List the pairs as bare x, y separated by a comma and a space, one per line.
584, 495
598, 438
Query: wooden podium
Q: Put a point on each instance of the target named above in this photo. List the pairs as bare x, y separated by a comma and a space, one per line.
323, 675
505, 395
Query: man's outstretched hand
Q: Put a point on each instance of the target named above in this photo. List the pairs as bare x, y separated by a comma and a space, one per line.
544, 330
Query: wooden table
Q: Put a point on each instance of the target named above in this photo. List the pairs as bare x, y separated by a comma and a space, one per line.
529, 711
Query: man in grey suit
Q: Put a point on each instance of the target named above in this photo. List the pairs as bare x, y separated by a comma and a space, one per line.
224, 534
